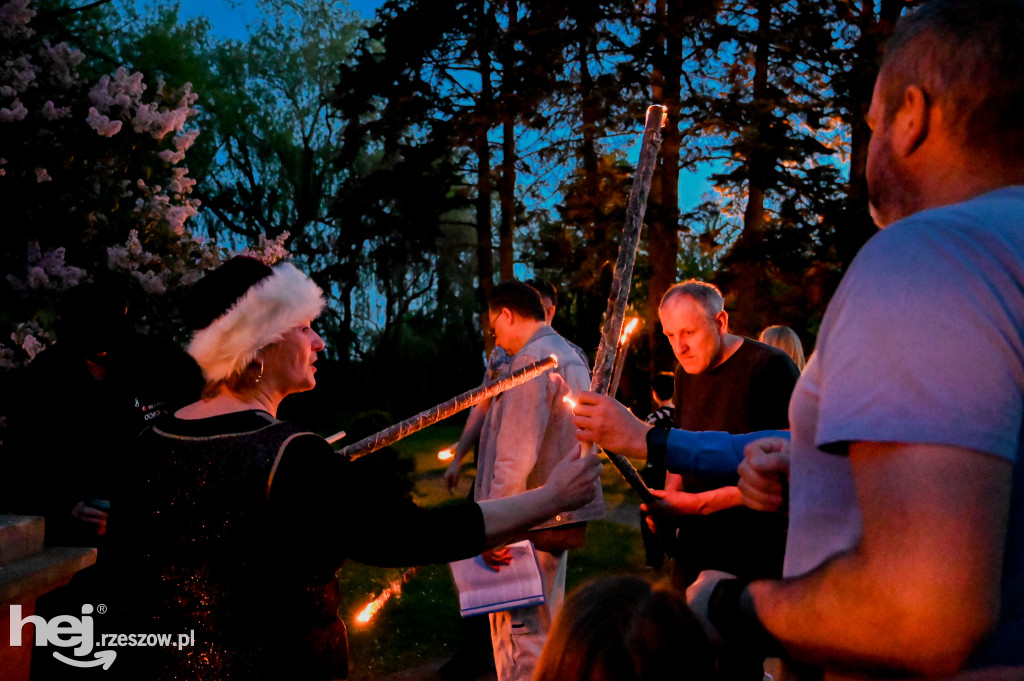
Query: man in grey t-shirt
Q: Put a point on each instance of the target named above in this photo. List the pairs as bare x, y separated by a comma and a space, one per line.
905, 553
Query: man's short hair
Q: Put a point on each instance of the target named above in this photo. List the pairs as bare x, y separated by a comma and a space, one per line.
545, 288
664, 385
707, 295
968, 56
519, 297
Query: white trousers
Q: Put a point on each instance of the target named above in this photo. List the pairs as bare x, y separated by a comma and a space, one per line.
518, 636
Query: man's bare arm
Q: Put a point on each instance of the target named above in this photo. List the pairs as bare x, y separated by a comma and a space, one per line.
921, 590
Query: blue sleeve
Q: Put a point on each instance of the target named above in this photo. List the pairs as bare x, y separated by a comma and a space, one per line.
710, 454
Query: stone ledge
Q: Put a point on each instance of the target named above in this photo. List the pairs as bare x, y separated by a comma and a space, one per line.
39, 574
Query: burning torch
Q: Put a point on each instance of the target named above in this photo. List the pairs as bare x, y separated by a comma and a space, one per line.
619, 294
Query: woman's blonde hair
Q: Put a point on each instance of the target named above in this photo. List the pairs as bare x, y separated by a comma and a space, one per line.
785, 339
241, 383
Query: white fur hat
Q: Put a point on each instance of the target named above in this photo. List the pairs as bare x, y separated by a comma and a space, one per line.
271, 301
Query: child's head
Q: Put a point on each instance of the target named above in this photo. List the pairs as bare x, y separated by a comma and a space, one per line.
625, 629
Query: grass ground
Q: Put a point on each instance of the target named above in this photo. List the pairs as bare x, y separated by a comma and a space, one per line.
422, 624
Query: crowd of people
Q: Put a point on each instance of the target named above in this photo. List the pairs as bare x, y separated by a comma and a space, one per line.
854, 516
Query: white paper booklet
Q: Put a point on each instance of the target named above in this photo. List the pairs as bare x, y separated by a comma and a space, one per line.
516, 585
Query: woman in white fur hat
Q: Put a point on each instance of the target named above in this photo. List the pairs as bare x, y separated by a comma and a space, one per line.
239, 521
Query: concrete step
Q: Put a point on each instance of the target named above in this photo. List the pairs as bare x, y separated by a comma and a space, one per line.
39, 574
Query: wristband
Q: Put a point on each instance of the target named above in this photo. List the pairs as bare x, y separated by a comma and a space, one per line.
657, 443
739, 626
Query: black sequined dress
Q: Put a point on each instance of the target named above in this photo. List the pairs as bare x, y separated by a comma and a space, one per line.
234, 529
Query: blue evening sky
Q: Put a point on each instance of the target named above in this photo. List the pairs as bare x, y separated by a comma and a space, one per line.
230, 17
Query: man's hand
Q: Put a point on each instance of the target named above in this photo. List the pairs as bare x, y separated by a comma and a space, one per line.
497, 557
677, 502
93, 518
764, 474
451, 475
604, 421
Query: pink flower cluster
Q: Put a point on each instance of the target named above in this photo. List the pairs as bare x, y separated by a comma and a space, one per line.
268, 251
119, 97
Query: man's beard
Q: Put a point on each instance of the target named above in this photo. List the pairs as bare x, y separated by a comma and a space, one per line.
890, 195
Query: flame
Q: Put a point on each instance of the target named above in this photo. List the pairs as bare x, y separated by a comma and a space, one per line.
628, 330
394, 589
571, 402
374, 606
445, 455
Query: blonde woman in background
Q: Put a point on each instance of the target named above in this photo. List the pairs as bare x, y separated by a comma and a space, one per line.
785, 339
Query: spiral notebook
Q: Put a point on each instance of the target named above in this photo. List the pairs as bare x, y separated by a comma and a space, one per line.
482, 590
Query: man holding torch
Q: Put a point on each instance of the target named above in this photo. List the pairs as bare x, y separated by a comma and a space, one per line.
527, 430
724, 383
905, 555
906, 539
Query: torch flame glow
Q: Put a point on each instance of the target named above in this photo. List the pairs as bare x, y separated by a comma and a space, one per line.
571, 402
393, 589
445, 455
372, 607
628, 330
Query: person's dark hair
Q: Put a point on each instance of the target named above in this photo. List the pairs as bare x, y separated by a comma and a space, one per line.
707, 295
663, 384
545, 288
968, 55
519, 297
625, 628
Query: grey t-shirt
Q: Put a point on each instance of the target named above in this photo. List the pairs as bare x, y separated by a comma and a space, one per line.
922, 343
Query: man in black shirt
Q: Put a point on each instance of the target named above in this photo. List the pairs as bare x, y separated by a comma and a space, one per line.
725, 383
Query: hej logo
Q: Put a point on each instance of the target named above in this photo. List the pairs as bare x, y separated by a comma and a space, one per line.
65, 631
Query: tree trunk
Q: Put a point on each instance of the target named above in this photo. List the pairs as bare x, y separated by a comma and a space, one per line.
484, 232
761, 157
507, 186
663, 213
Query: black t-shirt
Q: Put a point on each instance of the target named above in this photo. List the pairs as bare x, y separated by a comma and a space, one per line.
748, 392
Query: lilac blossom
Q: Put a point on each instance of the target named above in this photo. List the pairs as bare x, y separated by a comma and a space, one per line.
268, 251
101, 124
14, 18
52, 112
15, 112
